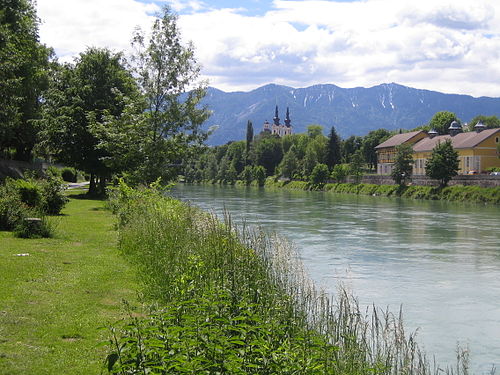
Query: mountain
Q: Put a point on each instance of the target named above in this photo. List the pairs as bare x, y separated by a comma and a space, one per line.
353, 111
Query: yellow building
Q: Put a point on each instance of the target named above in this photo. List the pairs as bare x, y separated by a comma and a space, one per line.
477, 150
386, 151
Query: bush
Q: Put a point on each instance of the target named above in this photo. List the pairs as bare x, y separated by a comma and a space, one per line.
12, 210
319, 175
34, 227
53, 198
69, 174
29, 192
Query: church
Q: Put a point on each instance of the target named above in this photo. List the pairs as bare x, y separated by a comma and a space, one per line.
276, 127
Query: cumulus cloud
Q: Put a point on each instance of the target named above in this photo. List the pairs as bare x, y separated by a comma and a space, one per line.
445, 45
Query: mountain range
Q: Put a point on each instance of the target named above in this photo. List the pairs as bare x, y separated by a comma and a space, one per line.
353, 111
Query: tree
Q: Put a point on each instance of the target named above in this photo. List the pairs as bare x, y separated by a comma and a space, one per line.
24, 66
259, 174
350, 146
247, 174
489, 121
403, 164
441, 121
370, 141
333, 154
82, 100
268, 153
319, 175
289, 164
340, 173
355, 167
310, 160
249, 142
443, 163
171, 123
314, 131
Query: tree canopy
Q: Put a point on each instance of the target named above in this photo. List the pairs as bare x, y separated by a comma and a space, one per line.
403, 164
443, 163
24, 65
441, 121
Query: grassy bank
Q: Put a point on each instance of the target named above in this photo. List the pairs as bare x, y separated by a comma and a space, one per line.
234, 301
56, 293
458, 193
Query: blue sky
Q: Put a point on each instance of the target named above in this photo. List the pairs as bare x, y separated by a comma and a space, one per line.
445, 45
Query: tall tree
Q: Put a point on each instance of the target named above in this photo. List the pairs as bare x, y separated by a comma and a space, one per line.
81, 101
289, 164
268, 153
441, 121
443, 163
24, 65
333, 154
167, 74
403, 164
249, 141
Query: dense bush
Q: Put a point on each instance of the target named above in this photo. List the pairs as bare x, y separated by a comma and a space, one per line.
69, 174
31, 198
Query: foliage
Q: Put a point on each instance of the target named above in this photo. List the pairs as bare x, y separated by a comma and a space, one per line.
152, 138
247, 175
248, 144
340, 173
69, 174
355, 166
319, 175
370, 141
489, 121
227, 300
24, 64
403, 164
268, 153
350, 146
259, 174
441, 121
82, 98
314, 131
443, 163
34, 227
289, 164
333, 154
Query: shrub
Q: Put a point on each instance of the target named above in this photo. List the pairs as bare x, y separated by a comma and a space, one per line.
53, 198
340, 173
12, 210
319, 175
29, 192
69, 174
34, 227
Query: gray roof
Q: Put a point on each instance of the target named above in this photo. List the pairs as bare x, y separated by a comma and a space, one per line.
398, 139
461, 140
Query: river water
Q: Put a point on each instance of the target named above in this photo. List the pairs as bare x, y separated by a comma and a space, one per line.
440, 261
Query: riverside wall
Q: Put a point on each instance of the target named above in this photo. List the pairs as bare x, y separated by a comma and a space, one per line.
474, 180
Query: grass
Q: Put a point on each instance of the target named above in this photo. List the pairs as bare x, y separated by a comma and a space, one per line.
54, 300
237, 301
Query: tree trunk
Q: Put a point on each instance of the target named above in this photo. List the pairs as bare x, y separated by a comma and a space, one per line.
102, 185
92, 185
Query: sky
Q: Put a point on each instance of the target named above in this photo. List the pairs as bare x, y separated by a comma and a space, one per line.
451, 46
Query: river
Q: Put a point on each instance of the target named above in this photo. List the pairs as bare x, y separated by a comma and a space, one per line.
439, 260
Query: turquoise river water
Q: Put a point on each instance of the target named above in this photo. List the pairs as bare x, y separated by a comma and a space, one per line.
440, 261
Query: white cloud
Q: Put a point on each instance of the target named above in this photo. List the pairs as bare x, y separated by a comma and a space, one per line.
445, 45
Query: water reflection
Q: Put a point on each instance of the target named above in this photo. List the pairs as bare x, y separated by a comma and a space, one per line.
439, 260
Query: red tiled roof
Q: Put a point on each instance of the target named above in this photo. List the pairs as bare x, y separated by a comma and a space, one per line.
461, 140
398, 139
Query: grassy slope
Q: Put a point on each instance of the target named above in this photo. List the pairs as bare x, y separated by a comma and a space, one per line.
53, 302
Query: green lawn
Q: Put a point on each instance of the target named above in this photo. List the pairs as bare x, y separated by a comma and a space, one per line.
54, 300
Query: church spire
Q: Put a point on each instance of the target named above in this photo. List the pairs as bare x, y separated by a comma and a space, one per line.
276, 117
287, 118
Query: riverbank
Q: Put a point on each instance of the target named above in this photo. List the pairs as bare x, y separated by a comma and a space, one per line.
227, 300
57, 294
457, 193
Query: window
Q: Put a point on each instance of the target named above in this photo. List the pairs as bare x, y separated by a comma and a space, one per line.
496, 139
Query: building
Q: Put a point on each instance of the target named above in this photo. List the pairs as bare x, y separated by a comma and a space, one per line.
386, 151
477, 149
276, 127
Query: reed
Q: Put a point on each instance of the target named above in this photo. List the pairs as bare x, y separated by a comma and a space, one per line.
236, 300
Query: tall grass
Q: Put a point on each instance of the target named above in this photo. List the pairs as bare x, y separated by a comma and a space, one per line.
228, 300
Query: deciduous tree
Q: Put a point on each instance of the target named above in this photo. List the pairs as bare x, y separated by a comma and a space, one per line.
443, 163
403, 164
441, 121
